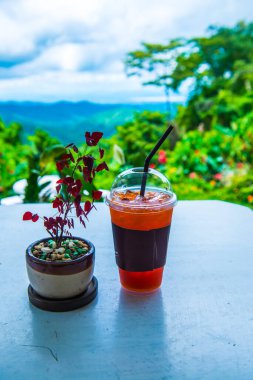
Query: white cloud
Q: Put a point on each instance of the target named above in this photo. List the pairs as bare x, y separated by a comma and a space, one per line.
74, 49
98, 87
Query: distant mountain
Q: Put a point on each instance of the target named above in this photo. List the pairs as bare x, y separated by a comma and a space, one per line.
67, 120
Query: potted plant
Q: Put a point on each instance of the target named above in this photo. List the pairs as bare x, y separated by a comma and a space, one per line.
60, 267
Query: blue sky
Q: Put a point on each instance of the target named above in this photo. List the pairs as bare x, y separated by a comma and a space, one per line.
73, 50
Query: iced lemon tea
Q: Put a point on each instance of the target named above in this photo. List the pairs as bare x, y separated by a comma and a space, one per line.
141, 227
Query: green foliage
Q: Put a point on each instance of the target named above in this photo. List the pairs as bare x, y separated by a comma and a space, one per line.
218, 66
137, 137
132, 143
43, 152
214, 165
13, 162
211, 154
30, 161
214, 156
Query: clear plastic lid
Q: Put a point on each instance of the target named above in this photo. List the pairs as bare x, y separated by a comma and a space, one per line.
125, 190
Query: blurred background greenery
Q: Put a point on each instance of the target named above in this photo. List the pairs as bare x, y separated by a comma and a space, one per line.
210, 153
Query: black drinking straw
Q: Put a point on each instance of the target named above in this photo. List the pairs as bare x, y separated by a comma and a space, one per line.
149, 157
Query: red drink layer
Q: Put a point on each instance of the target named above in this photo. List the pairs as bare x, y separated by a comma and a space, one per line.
141, 230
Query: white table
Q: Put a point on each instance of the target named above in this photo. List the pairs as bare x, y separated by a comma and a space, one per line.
199, 325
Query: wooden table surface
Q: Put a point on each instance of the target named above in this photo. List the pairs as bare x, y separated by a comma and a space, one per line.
199, 325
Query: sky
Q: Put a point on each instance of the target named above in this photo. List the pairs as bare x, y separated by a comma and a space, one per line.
54, 50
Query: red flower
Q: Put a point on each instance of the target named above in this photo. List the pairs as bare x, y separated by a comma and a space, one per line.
192, 175
152, 166
250, 198
162, 157
93, 139
162, 160
240, 165
218, 176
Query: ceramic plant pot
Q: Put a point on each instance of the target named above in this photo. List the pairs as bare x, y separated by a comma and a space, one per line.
60, 279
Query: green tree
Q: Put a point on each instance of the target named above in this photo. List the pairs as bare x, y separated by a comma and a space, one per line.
218, 67
137, 137
154, 62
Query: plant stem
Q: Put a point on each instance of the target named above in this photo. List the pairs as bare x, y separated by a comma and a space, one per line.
50, 233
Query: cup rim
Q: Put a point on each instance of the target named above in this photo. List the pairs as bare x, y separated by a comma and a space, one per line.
171, 203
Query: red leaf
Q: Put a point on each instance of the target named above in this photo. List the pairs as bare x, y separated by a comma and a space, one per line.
79, 211
82, 221
58, 188
102, 166
75, 149
78, 185
27, 215
96, 195
35, 217
101, 153
68, 180
57, 202
87, 206
93, 139
60, 165
75, 188
88, 161
65, 156
77, 201
87, 175
68, 146
60, 180
72, 158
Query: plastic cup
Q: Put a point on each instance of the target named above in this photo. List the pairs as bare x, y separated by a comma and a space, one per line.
141, 227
